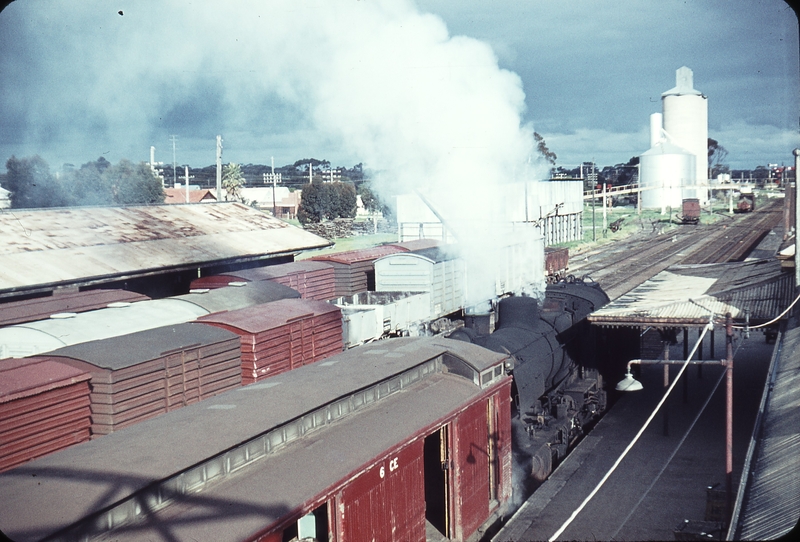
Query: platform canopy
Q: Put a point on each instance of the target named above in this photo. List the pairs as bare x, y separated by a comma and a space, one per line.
48, 248
687, 295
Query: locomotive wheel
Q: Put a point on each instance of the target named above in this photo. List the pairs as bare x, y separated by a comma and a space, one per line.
542, 463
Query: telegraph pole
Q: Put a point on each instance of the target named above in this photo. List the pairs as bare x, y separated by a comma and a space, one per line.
187, 177
219, 168
274, 179
174, 138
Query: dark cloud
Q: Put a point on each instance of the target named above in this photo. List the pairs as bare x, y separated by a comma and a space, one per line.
78, 79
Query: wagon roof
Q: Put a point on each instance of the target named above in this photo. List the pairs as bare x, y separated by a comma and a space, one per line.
23, 378
270, 315
361, 255
52, 492
239, 297
126, 350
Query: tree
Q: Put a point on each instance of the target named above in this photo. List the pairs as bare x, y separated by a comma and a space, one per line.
31, 184
326, 201
343, 200
133, 184
89, 186
548, 155
312, 204
233, 181
716, 154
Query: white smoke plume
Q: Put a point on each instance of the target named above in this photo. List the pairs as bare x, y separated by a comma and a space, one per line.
374, 81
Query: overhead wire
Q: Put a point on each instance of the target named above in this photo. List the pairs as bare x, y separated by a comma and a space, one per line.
675, 451
781, 315
608, 474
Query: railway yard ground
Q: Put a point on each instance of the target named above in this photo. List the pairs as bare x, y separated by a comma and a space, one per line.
660, 490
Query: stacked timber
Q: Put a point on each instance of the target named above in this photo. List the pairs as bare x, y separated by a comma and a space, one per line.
354, 270
30, 310
313, 280
282, 335
141, 375
44, 407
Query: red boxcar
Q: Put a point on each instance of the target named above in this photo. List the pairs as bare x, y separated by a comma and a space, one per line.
44, 407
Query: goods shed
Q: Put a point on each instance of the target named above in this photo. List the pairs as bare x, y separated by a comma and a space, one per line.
42, 250
347, 449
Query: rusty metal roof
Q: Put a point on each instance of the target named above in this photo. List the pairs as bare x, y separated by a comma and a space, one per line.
47, 247
689, 294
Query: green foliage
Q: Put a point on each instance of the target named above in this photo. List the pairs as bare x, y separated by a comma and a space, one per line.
326, 201
134, 184
96, 183
372, 202
31, 184
233, 181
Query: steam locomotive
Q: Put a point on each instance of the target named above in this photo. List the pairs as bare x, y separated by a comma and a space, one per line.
558, 390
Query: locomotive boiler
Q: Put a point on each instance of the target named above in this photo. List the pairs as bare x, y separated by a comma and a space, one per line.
557, 389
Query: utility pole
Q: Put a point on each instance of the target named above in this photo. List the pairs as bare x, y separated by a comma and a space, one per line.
174, 138
186, 173
274, 179
219, 168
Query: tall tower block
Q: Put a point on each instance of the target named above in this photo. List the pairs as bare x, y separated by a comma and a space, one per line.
685, 113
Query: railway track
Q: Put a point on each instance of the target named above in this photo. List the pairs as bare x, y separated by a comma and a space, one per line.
626, 264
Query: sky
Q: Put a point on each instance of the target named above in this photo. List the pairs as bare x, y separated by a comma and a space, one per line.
448, 88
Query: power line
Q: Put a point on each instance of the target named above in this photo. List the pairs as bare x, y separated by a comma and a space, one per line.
600, 484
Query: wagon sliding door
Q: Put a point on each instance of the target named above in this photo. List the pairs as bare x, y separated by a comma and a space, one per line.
471, 462
437, 480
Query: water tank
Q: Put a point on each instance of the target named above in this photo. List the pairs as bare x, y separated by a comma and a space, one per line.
685, 117
664, 170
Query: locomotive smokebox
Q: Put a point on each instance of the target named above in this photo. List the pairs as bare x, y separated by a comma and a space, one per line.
479, 318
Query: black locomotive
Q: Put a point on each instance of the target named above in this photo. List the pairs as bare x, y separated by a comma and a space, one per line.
558, 389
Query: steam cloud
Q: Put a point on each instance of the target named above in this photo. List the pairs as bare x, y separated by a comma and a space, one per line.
376, 81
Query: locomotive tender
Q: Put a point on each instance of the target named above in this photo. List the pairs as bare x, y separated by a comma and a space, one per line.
558, 388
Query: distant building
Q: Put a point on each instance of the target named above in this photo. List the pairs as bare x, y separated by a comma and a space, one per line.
286, 202
181, 195
5, 201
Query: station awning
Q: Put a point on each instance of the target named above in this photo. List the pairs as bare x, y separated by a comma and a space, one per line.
687, 295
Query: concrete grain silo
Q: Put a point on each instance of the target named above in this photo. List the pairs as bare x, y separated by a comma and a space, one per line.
678, 147
685, 113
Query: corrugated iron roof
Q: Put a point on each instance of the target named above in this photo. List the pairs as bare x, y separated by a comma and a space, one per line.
769, 505
688, 294
44, 247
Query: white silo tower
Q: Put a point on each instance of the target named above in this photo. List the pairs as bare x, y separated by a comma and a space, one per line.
664, 170
685, 112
